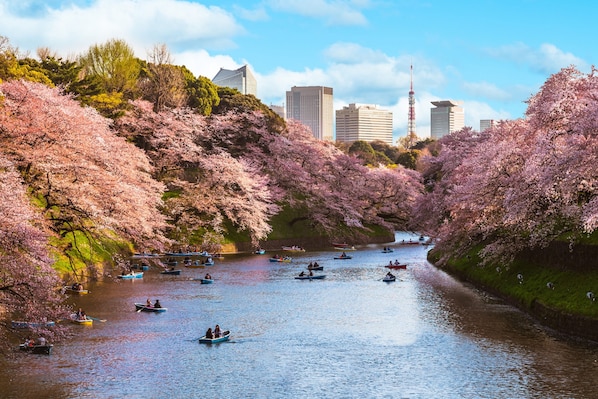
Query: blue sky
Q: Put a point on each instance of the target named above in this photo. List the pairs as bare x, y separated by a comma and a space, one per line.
491, 55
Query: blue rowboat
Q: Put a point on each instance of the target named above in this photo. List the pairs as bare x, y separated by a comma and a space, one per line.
142, 307
224, 337
28, 324
131, 275
207, 281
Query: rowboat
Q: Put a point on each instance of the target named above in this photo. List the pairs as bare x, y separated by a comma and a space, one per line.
71, 290
224, 337
209, 262
260, 251
37, 349
396, 266
173, 272
389, 279
131, 275
207, 281
202, 253
28, 324
82, 322
315, 267
285, 259
343, 257
387, 250
142, 307
293, 248
319, 277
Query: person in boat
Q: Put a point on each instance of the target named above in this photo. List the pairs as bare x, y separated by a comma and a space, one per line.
74, 286
209, 334
208, 276
310, 265
80, 315
217, 332
390, 263
41, 341
390, 275
302, 274
29, 342
148, 303
157, 304
311, 272
316, 264
343, 255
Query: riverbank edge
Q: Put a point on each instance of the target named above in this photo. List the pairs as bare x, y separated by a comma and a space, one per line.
571, 325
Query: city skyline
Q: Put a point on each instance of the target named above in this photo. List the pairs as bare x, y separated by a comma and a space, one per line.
361, 48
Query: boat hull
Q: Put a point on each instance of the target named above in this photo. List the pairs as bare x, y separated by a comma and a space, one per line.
225, 336
172, 272
320, 277
396, 266
70, 290
81, 322
28, 324
37, 349
144, 308
207, 281
131, 276
343, 257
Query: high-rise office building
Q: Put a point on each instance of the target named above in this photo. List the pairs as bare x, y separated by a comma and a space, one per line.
241, 79
446, 118
312, 106
486, 124
363, 122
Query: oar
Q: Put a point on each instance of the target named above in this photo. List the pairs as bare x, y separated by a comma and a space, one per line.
96, 319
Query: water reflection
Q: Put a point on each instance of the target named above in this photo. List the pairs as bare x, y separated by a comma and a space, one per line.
349, 335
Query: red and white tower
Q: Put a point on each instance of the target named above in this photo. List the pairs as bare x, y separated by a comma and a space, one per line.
411, 133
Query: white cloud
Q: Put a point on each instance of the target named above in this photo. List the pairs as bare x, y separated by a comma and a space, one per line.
142, 24
546, 59
256, 14
334, 12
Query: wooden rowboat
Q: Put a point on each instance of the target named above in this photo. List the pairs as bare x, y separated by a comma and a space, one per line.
224, 337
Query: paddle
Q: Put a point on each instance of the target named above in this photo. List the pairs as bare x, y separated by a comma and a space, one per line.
96, 319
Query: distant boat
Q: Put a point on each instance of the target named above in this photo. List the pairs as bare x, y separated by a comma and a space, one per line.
260, 251
347, 248
279, 259
293, 248
141, 307
343, 257
82, 322
71, 290
389, 279
306, 277
207, 280
396, 266
28, 324
37, 349
315, 267
173, 272
224, 337
131, 275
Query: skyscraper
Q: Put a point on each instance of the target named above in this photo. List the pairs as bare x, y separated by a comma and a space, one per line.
363, 122
241, 79
312, 106
446, 118
486, 124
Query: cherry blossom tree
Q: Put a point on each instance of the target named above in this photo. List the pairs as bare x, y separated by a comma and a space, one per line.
86, 178
27, 281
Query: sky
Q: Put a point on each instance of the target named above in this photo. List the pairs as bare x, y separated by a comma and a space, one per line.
490, 55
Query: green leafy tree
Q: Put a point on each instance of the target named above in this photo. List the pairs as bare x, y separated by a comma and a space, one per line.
202, 94
114, 63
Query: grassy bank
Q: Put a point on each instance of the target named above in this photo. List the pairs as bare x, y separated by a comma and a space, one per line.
553, 292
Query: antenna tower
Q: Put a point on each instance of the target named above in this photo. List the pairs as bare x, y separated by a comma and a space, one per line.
411, 134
